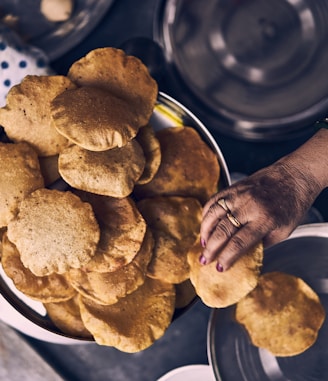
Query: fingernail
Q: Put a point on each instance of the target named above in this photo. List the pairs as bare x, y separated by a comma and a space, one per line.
219, 267
202, 242
202, 260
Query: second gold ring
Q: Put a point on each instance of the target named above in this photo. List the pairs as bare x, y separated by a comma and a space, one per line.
234, 220
230, 216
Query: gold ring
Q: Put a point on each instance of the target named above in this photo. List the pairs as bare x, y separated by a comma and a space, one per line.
223, 204
234, 220
230, 216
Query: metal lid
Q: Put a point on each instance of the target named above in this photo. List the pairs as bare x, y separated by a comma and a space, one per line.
231, 354
257, 65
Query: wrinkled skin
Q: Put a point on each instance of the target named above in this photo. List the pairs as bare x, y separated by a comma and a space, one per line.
270, 204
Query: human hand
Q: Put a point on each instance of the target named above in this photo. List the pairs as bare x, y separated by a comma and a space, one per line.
269, 205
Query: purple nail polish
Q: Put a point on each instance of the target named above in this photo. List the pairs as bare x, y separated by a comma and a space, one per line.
202, 260
202, 242
219, 267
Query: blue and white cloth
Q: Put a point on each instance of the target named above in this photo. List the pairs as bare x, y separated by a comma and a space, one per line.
18, 59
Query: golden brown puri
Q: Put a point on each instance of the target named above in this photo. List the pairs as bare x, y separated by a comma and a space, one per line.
62, 232
66, 316
124, 76
122, 231
175, 224
282, 314
94, 119
152, 151
110, 173
108, 288
49, 288
178, 216
20, 175
218, 290
188, 166
26, 116
111, 325
169, 261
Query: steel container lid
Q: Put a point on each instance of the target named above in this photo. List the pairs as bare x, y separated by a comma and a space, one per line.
256, 67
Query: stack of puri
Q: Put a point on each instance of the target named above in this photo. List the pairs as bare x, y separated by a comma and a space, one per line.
108, 256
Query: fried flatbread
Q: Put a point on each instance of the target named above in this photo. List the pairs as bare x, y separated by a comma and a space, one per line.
66, 316
108, 288
175, 224
152, 151
188, 166
169, 262
124, 76
135, 322
62, 232
110, 173
46, 289
20, 175
282, 314
122, 231
26, 116
94, 119
218, 290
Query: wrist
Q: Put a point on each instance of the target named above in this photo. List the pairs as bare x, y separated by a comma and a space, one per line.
312, 158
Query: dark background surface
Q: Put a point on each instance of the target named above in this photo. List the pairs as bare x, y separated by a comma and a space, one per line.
185, 341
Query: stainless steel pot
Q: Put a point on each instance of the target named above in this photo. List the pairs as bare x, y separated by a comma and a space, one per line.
253, 69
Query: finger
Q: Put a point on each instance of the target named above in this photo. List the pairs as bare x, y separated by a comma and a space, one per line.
242, 241
214, 214
213, 200
218, 239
